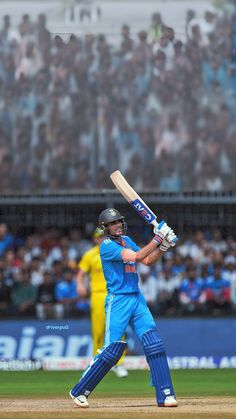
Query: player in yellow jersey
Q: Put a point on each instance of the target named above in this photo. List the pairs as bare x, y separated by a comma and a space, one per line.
91, 264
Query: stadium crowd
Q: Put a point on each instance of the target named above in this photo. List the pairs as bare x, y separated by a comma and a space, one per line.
38, 275
158, 108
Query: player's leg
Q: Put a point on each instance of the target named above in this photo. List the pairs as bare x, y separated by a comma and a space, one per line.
117, 319
98, 319
96, 370
156, 356
145, 328
118, 313
119, 370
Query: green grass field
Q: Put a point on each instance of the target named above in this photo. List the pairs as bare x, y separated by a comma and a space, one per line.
187, 383
194, 389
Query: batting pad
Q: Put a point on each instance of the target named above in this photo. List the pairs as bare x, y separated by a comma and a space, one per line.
156, 357
98, 368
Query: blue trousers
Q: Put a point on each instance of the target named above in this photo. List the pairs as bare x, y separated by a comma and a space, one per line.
124, 309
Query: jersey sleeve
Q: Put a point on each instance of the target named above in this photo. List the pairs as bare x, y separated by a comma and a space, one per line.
110, 250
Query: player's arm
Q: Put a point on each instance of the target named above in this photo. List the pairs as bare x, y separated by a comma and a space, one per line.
81, 288
153, 257
152, 252
157, 253
84, 269
148, 255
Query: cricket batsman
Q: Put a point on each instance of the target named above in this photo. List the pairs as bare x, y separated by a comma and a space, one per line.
126, 305
91, 264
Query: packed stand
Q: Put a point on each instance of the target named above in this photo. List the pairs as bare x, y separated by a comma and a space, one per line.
198, 277
38, 276
156, 107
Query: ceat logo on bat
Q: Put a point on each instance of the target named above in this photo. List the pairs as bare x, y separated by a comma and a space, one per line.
143, 210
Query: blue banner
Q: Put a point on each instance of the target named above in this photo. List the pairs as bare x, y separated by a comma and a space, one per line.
38, 339
32, 339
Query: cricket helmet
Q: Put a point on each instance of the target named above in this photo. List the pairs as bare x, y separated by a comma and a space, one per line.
108, 216
98, 232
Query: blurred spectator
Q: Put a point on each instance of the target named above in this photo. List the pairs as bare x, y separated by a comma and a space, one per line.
168, 290
229, 267
195, 248
149, 286
230, 274
31, 247
126, 40
156, 27
217, 292
8, 34
20, 257
205, 25
26, 26
6, 238
36, 268
23, 295
66, 295
142, 52
43, 36
178, 266
192, 295
46, 306
78, 243
217, 243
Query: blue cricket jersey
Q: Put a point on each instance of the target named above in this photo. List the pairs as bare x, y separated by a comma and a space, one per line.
121, 277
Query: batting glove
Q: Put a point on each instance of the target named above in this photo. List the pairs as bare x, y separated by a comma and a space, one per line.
171, 238
165, 245
160, 232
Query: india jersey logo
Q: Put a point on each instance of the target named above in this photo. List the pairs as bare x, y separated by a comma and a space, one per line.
112, 212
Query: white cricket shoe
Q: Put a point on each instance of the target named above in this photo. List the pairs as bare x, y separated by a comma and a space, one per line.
170, 401
120, 371
80, 401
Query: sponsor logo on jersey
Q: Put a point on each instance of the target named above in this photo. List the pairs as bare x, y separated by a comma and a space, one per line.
130, 267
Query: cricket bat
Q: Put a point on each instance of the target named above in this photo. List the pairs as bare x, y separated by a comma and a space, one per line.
133, 198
